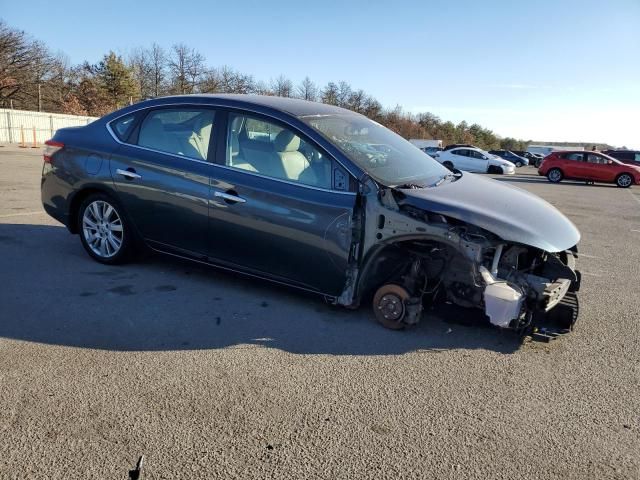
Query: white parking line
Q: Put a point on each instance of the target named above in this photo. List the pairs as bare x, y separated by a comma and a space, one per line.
7, 215
634, 230
586, 256
591, 274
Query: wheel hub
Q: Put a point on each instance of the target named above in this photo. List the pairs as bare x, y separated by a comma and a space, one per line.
391, 307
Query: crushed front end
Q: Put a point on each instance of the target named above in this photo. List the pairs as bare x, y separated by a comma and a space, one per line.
414, 257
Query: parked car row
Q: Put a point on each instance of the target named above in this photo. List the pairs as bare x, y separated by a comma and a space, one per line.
473, 159
589, 166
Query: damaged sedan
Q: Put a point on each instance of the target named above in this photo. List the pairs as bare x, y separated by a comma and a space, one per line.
314, 197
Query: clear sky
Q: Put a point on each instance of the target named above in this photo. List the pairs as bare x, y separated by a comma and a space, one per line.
562, 70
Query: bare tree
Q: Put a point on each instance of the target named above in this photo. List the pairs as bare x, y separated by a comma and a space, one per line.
158, 62
187, 67
329, 94
16, 58
227, 80
344, 93
307, 90
142, 69
282, 86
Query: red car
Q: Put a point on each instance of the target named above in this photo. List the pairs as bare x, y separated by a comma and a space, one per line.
589, 166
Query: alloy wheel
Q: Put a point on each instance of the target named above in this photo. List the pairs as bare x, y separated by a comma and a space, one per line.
102, 229
555, 175
625, 180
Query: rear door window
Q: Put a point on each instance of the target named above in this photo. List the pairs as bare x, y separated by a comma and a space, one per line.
181, 131
122, 126
576, 157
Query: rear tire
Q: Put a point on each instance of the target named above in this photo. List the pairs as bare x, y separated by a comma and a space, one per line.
555, 175
104, 230
624, 180
518, 164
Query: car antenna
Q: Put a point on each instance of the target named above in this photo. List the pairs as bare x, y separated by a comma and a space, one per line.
135, 473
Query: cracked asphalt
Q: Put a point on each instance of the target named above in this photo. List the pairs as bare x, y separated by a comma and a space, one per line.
212, 375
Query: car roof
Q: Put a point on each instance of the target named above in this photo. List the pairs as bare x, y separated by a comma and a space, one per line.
292, 106
477, 149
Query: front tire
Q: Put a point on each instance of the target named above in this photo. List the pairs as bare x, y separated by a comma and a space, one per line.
104, 230
518, 164
624, 180
555, 175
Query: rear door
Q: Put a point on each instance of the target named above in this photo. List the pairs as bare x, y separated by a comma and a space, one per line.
161, 172
280, 207
572, 165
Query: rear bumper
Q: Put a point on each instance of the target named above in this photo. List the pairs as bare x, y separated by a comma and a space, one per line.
57, 214
54, 198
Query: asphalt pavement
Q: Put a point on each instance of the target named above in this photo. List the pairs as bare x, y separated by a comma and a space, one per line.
212, 375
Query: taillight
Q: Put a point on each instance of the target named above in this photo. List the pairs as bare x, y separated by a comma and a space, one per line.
50, 148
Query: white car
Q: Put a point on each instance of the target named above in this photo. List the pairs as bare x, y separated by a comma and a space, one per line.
474, 160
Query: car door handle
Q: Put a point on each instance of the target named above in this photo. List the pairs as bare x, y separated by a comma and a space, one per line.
128, 174
227, 197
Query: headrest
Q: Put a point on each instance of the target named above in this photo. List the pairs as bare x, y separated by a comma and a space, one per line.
235, 144
286, 141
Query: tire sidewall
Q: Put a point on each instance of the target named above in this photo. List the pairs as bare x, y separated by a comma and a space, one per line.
555, 170
624, 175
127, 233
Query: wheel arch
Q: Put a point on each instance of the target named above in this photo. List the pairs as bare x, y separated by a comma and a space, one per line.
76, 200
372, 264
633, 180
555, 168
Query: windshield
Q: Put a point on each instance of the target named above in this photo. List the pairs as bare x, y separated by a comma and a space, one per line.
386, 157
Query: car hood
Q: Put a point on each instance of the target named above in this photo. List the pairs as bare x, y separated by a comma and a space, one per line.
509, 212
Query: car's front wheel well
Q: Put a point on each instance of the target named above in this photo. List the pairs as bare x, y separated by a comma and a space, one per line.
627, 174
394, 263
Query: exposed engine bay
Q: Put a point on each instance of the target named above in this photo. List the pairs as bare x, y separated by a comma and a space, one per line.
417, 258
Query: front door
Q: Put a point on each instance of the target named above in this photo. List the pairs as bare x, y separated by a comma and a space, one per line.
162, 174
280, 206
599, 168
478, 162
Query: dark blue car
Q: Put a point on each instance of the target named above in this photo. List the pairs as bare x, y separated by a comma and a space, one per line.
310, 196
517, 160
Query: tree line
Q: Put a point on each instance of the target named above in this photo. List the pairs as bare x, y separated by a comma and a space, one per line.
34, 78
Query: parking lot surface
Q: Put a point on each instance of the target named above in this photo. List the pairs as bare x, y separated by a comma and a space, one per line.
212, 375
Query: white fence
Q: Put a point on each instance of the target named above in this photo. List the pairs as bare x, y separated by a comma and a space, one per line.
17, 126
